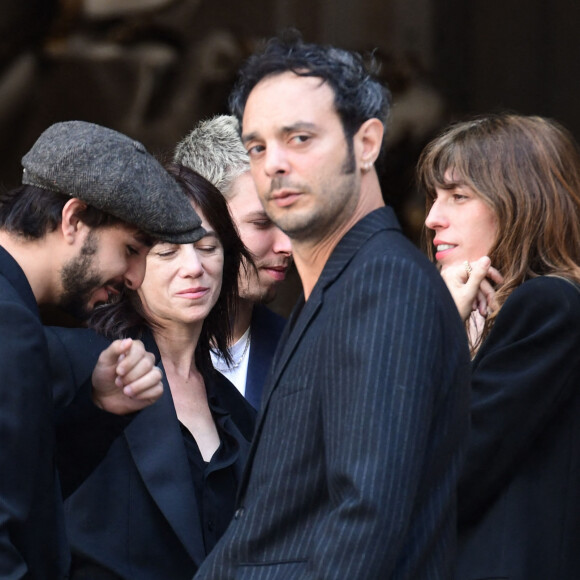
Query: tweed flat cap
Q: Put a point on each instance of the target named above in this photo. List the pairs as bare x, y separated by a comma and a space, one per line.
115, 174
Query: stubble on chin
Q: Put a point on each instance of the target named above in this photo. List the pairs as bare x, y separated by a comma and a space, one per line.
79, 280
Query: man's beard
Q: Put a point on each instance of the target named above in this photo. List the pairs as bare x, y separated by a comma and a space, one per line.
80, 279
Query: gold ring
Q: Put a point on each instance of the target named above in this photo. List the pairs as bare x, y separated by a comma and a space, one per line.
468, 268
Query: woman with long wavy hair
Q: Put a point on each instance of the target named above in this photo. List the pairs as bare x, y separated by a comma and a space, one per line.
503, 224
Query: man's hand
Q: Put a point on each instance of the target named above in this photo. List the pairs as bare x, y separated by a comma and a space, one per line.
125, 378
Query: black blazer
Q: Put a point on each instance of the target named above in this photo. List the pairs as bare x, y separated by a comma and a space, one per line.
266, 328
32, 540
354, 466
136, 515
519, 495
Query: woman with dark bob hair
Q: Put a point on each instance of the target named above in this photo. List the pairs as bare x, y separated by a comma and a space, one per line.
503, 217
165, 491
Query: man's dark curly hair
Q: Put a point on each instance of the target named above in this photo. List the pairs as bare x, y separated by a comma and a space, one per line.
358, 95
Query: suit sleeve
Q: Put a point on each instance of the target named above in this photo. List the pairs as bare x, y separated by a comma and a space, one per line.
522, 376
25, 425
380, 396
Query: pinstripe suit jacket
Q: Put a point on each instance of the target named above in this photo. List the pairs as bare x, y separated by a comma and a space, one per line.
360, 438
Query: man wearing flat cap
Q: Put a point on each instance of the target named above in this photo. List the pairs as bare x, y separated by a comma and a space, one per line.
78, 229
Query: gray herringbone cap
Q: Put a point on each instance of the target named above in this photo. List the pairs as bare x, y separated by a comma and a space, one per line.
115, 174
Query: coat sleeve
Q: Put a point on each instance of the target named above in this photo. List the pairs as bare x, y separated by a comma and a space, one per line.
387, 406
84, 432
524, 373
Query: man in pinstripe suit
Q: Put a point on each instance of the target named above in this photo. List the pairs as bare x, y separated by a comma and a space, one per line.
353, 469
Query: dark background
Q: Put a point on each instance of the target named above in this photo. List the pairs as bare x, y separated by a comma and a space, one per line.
153, 68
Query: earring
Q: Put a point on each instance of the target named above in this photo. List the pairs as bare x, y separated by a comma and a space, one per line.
366, 167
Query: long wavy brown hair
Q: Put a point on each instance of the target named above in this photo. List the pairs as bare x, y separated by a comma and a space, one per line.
527, 170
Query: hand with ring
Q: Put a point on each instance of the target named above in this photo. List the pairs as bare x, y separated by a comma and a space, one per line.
468, 268
470, 285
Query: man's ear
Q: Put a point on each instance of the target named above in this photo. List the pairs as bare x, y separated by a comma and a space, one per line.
368, 141
71, 225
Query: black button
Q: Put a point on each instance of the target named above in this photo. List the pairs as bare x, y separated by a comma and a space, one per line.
239, 513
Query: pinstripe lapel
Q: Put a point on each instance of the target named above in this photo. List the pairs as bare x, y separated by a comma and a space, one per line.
297, 324
297, 328
301, 318
344, 252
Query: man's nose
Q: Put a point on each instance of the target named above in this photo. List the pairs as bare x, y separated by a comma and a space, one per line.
276, 161
135, 273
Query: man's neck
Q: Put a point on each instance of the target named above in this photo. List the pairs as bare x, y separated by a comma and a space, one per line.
36, 258
243, 319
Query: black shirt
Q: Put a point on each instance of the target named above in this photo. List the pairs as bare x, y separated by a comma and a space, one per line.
214, 482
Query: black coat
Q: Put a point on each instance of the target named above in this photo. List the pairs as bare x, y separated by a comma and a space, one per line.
519, 495
32, 541
32, 400
266, 329
136, 515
